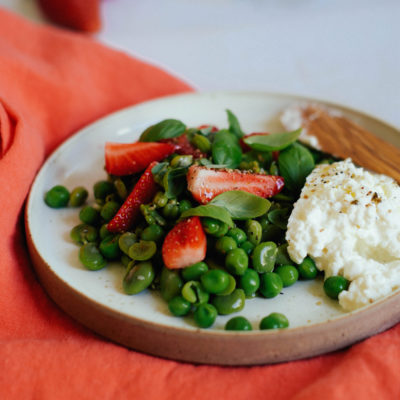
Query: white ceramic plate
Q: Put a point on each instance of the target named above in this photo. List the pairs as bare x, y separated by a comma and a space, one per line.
317, 324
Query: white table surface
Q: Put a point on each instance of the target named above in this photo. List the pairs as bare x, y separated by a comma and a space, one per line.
345, 51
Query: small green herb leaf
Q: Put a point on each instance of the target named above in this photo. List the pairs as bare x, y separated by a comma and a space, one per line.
226, 149
272, 142
168, 128
295, 163
234, 125
242, 205
209, 210
174, 181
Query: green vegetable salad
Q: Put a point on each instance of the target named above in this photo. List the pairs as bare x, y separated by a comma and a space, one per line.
200, 215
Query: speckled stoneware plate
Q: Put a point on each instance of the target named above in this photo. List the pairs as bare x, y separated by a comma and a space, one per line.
142, 322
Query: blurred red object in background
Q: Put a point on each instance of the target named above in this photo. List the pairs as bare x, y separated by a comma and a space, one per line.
81, 15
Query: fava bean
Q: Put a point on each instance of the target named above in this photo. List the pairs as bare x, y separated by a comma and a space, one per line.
270, 284
194, 271
170, 284
230, 303
138, 277
264, 256
91, 257
78, 196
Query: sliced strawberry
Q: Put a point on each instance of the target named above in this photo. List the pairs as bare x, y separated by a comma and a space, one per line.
245, 147
129, 158
184, 147
142, 193
74, 14
206, 183
185, 244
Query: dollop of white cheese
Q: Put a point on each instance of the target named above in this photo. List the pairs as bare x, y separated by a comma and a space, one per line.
348, 220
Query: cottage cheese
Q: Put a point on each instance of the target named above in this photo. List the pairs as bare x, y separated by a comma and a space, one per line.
348, 221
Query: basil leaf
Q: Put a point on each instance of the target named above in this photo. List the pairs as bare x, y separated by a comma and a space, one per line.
168, 128
242, 205
295, 163
234, 125
209, 210
174, 181
226, 150
272, 142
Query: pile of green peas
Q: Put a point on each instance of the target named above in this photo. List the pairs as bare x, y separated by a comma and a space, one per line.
242, 262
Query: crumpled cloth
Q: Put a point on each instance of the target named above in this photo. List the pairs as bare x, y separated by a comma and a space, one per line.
52, 83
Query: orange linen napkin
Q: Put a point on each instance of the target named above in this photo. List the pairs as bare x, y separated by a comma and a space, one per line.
51, 84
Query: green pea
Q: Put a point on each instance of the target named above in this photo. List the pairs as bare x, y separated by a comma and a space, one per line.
142, 250
194, 271
215, 281
91, 257
230, 303
334, 285
194, 293
120, 188
89, 215
308, 269
264, 256
288, 273
274, 321
138, 277
250, 282
104, 232
225, 244
160, 199
237, 261
181, 161
153, 233
78, 196
239, 235
179, 306
57, 197
184, 205
223, 229
109, 247
171, 210
126, 240
170, 284
83, 233
102, 189
231, 286
109, 209
253, 231
282, 256
270, 284
247, 246
238, 323
202, 143
211, 226
205, 315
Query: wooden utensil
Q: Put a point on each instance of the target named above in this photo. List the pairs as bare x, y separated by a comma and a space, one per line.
343, 138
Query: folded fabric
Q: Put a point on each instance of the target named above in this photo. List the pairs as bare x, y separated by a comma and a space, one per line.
52, 83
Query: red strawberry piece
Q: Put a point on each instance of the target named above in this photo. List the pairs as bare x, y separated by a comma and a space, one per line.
184, 147
206, 183
142, 193
245, 147
185, 244
129, 158
75, 14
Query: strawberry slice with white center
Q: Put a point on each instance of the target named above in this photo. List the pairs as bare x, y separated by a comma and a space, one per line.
206, 183
142, 193
130, 158
185, 244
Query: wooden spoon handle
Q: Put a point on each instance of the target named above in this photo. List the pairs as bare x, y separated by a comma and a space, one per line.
343, 138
